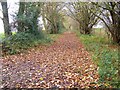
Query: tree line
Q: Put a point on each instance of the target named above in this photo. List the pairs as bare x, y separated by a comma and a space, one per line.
88, 14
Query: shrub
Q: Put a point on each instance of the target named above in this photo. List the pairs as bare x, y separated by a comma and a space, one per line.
21, 41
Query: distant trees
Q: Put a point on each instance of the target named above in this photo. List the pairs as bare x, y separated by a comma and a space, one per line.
52, 17
82, 14
87, 14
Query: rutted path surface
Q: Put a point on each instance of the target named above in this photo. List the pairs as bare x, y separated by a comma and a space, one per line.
64, 64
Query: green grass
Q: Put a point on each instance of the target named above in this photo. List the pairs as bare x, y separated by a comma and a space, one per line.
1, 36
105, 55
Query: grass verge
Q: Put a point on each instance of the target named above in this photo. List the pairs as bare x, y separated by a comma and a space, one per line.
105, 55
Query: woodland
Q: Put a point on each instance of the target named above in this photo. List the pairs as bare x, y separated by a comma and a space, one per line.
67, 51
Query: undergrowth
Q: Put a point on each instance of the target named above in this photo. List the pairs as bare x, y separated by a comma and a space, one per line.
105, 57
19, 42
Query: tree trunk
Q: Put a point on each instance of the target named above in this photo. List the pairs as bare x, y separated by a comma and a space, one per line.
6, 25
115, 24
6, 19
20, 13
